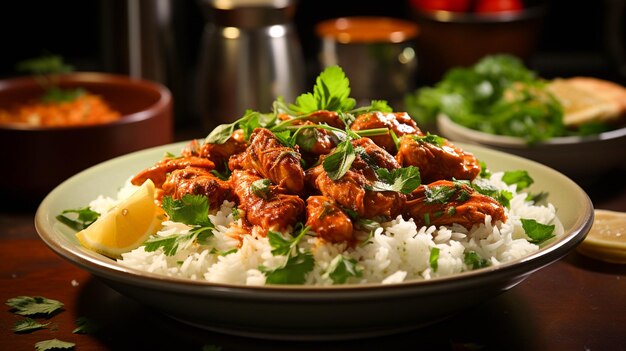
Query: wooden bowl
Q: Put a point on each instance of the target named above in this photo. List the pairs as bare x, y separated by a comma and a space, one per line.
39, 158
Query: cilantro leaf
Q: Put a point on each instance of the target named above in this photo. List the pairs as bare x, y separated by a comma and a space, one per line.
434, 256
261, 188
473, 260
84, 218
502, 196
28, 306
331, 92
190, 210
438, 194
341, 268
403, 180
297, 264
429, 138
537, 232
484, 171
84, 326
519, 177
340, 160
172, 243
53, 344
294, 271
27, 325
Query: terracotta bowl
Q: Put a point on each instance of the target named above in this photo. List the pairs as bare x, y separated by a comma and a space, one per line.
452, 39
36, 159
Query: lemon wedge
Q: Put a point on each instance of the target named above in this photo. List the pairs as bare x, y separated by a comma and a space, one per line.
607, 238
126, 226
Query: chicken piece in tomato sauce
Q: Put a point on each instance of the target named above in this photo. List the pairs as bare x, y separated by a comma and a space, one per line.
327, 220
272, 160
197, 181
400, 123
264, 204
437, 158
330, 118
158, 173
446, 202
218, 153
351, 191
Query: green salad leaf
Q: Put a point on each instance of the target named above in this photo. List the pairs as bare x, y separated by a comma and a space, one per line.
497, 95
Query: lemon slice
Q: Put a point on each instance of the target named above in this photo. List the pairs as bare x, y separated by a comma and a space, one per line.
126, 226
607, 238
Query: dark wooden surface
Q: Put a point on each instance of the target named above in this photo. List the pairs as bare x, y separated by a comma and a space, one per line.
574, 304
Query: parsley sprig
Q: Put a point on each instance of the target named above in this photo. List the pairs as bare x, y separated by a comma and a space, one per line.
191, 210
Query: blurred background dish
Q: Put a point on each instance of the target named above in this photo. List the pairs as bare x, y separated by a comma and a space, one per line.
463, 32
583, 158
382, 46
38, 158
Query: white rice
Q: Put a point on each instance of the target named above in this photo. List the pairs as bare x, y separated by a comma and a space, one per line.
397, 251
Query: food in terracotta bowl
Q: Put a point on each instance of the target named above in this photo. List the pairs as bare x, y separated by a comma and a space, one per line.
576, 125
319, 212
479, 27
52, 131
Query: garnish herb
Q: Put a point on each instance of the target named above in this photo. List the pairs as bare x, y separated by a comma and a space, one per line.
331, 92
27, 325
84, 218
537, 198
434, 256
537, 232
223, 175
261, 188
430, 138
28, 306
84, 325
44, 70
438, 194
191, 210
497, 95
484, 171
403, 180
53, 344
341, 268
339, 162
474, 261
297, 264
502, 196
519, 178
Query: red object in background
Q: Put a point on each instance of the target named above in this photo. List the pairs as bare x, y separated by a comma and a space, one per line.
490, 6
442, 5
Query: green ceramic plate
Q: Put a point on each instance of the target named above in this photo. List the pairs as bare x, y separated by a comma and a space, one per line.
337, 312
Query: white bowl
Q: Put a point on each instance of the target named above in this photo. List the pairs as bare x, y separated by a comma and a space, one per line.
305, 312
580, 158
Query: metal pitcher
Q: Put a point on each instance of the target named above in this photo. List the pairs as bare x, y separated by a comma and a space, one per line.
250, 55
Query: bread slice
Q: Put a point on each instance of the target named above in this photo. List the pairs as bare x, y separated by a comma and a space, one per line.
587, 99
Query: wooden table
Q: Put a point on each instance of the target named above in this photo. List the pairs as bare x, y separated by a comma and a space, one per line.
574, 304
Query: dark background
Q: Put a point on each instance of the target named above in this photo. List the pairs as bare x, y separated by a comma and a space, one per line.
574, 39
